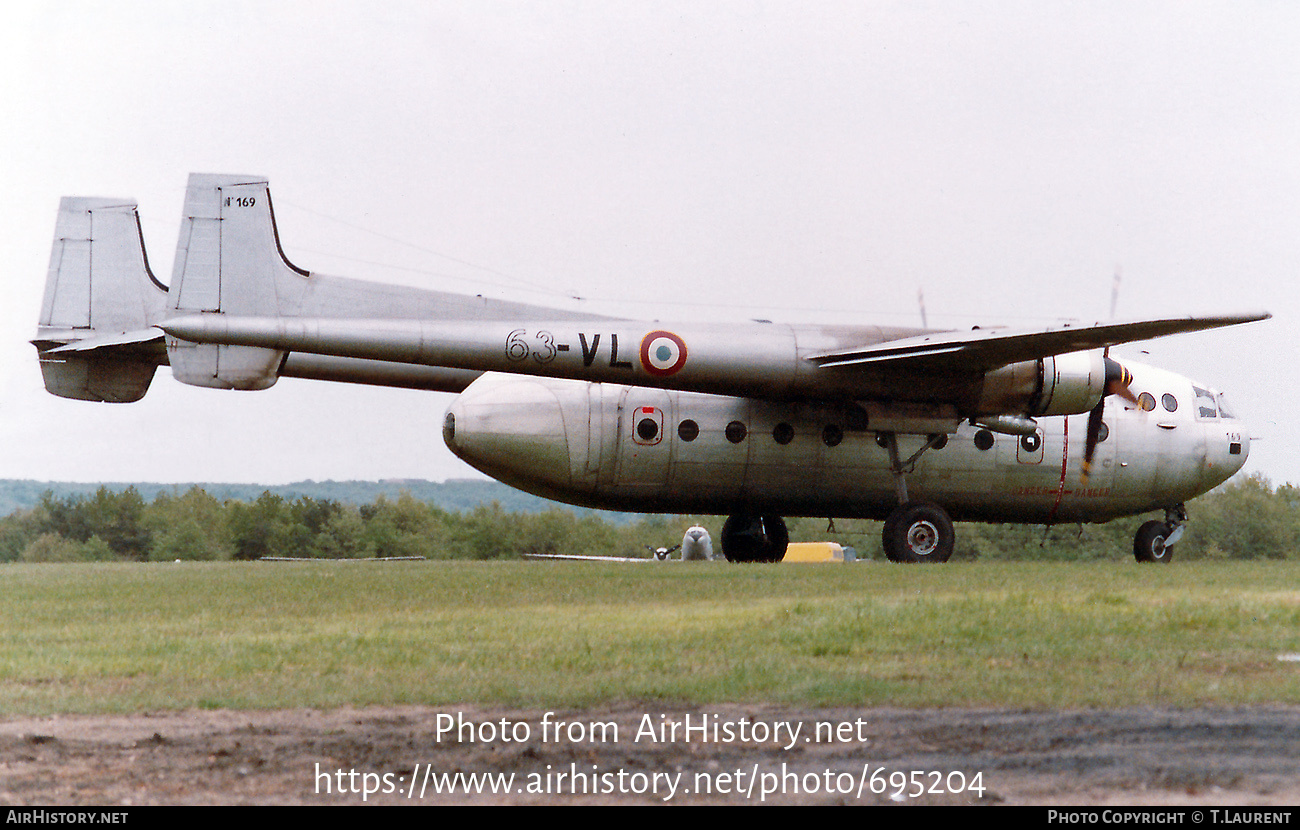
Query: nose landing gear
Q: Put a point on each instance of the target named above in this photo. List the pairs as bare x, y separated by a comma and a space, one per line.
1155, 539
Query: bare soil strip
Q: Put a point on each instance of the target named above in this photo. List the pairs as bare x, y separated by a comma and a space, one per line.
1140, 756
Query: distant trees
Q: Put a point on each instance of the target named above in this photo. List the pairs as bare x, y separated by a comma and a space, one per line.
1246, 519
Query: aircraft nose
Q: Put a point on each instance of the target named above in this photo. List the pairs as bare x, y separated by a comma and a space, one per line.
1226, 453
512, 429
1238, 450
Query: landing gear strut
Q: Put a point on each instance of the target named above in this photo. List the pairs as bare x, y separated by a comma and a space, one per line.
1155, 539
747, 538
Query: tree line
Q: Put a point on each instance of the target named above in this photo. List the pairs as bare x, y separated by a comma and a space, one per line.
1246, 519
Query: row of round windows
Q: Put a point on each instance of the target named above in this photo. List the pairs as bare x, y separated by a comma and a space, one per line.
1147, 402
832, 435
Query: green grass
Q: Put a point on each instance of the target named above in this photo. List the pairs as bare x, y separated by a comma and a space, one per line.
127, 637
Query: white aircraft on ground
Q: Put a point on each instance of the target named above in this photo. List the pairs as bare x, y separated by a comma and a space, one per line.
757, 421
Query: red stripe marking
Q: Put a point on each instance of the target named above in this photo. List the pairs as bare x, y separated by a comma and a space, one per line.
1065, 457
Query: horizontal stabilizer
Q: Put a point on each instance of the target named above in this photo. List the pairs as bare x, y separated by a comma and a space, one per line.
141, 338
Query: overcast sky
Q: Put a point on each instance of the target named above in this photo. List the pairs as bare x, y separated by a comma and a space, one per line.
795, 161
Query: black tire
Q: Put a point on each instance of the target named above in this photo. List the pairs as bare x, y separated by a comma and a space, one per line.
747, 538
918, 532
1149, 543
887, 536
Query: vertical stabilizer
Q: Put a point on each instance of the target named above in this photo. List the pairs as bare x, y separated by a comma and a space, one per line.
228, 261
99, 281
101, 300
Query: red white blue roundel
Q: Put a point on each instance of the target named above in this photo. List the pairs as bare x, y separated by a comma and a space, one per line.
662, 353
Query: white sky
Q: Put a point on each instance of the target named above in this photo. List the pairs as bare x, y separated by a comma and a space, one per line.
806, 161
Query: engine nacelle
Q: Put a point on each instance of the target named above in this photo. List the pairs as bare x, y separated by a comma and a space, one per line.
1064, 384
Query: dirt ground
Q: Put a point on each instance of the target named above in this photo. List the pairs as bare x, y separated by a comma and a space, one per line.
745, 754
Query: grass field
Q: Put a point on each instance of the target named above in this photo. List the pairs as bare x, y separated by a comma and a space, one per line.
131, 637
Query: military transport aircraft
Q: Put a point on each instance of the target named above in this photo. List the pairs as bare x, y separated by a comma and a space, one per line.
756, 421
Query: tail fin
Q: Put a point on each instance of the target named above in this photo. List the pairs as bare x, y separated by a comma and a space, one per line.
94, 336
228, 258
228, 261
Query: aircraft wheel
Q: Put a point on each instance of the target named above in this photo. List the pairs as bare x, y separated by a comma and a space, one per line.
918, 532
1149, 543
748, 538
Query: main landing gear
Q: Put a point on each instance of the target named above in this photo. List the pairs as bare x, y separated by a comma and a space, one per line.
915, 531
748, 538
918, 532
1155, 539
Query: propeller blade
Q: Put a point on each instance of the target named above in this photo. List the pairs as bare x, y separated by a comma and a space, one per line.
1090, 445
1118, 380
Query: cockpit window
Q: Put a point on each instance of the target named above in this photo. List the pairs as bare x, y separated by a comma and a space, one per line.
1206, 404
1224, 410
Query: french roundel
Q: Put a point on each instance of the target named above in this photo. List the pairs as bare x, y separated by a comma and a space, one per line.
663, 353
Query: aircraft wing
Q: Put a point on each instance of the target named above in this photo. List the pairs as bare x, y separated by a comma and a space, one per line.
760, 361
989, 348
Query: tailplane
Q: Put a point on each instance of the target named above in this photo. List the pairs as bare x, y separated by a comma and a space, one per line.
97, 337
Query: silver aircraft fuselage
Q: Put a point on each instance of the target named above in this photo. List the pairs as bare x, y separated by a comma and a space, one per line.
635, 448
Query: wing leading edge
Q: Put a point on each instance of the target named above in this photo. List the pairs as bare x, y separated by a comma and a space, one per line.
982, 349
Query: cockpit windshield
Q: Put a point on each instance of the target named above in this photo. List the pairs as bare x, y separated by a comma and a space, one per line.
1224, 410
1212, 405
1207, 405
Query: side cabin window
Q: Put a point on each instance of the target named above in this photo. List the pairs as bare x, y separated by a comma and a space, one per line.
1206, 403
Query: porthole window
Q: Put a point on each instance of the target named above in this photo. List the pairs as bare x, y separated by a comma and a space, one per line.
688, 430
647, 430
1170, 402
1031, 442
882, 441
736, 432
940, 442
832, 435
984, 440
1103, 433
783, 433
1146, 402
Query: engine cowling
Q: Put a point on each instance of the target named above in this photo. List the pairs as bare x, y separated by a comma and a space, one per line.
1064, 384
